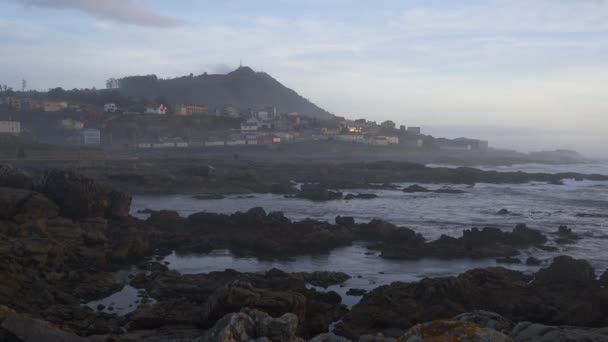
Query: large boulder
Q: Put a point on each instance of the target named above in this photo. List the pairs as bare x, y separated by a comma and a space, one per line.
251, 325
566, 271
453, 331
486, 319
11, 201
13, 177
34, 330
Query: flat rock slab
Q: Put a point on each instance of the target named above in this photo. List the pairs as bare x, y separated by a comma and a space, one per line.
34, 330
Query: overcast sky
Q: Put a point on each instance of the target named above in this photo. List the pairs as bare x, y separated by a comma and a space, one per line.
522, 74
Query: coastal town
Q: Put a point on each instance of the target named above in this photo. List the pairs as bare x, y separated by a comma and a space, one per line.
106, 119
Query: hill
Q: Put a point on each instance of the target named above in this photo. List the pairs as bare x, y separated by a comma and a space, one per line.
242, 88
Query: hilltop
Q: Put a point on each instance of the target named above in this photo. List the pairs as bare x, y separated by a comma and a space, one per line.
242, 88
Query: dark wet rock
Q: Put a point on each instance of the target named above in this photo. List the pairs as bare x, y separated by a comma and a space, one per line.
415, 188
204, 197
356, 292
449, 191
34, 330
360, 196
345, 221
531, 332
475, 243
508, 260
604, 279
322, 278
565, 293
165, 313
592, 215
503, 212
12, 177
532, 261
318, 193
487, 319
565, 235
556, 182
566, 271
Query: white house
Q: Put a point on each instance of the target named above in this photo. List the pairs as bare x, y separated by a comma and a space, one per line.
110, 108
160, 110
10, 127
251, 125
91, 137
71, 124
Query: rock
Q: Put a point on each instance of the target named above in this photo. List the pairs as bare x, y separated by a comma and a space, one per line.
532, 261
322, 278
356, 292
12, 177
11, 200
360, 196
33, 330
503, 212
531, 332
604, 279
165, 313
252, 325
449, 191
567, 271
119, 205
508, 260
235, 327
36, 207
345, 221
486, 319
274, 329
208, 197
415, 188
318, 193
566, 236
452, 331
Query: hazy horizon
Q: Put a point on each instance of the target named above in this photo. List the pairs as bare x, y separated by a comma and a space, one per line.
527, 76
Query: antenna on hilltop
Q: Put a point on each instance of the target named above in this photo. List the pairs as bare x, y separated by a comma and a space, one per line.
241, 64
23, 85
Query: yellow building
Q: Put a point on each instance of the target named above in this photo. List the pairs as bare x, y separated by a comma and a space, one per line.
54, 106
189, 110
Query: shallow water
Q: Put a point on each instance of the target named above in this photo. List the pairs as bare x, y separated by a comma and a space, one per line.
539, 205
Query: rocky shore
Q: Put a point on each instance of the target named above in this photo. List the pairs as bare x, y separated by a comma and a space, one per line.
222, 176
63, 237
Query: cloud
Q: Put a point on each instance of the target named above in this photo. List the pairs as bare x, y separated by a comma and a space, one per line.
125, 11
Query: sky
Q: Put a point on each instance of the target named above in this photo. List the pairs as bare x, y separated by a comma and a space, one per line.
527, 75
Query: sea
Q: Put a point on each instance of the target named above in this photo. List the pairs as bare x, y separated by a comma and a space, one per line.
580, 205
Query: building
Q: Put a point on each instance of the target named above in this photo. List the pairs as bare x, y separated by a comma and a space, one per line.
30, 104
331, 131
250, 125
351, 138
214, 143
51, 106
190, 110
91, 137
160, 110
237, 142
71, 124
378, 141
414, 130
268, 140
390, 140
110, 108
11, 102
10, 127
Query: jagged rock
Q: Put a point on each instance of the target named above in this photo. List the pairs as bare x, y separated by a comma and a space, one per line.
452, 331
503, 212
33, 330
604, 279
318, 193
253, 325
356, 292
165, 313
508, 260
12, 177
530, 332
119, 205
11, 200
328, 338
322, 278
415, 188
566, 271
486, 319
532, 261
36, 207
565, 235
360, 196
449, 191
